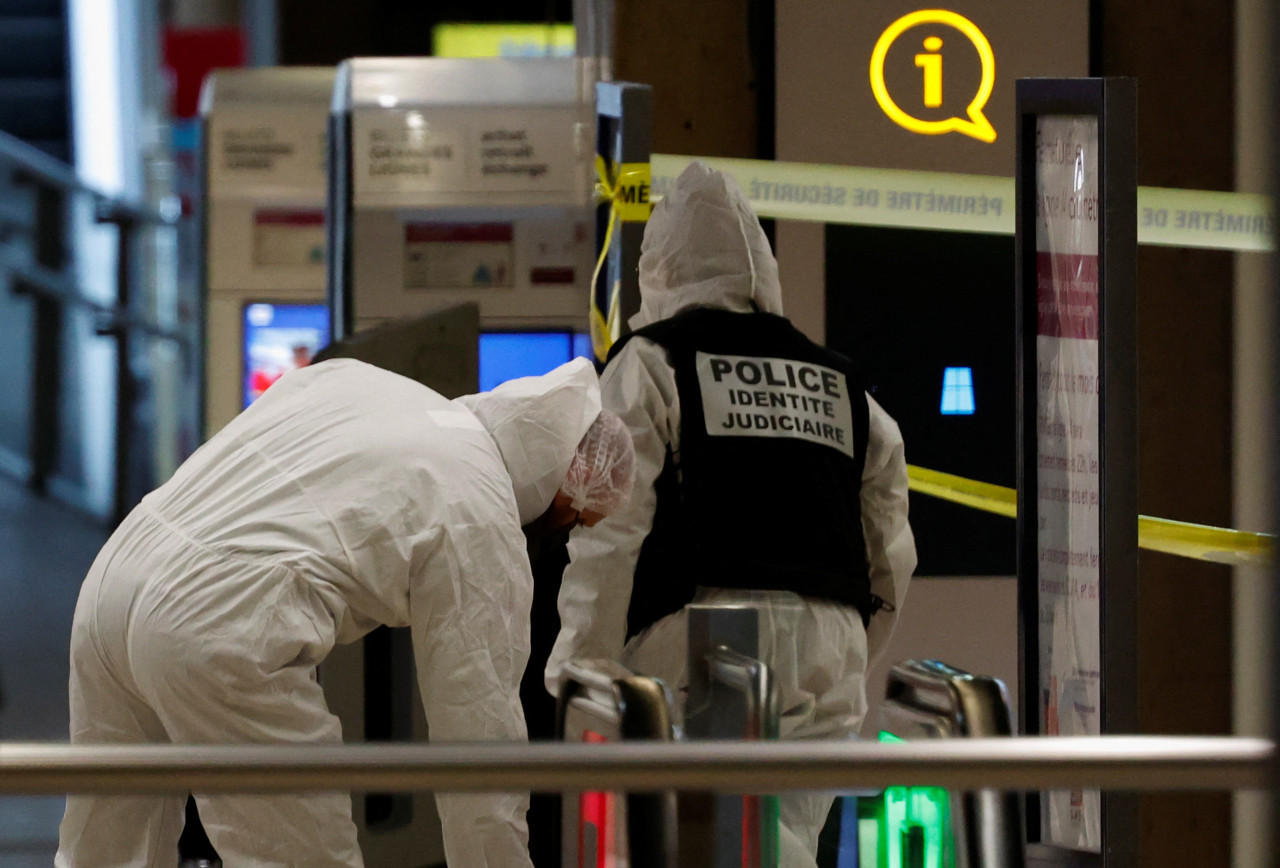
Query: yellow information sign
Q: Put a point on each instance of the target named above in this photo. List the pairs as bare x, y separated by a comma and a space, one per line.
930, 62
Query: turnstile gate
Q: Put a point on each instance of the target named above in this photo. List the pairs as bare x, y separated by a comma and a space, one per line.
928, 699
731, 696
603, 701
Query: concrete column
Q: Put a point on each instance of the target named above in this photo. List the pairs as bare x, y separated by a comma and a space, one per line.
1253, 411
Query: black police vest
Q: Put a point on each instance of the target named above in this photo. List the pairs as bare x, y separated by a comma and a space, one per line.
764, 493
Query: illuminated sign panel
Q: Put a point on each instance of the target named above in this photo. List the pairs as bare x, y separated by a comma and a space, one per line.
906, 85
502, 40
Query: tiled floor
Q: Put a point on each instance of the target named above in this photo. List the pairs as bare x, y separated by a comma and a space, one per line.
45, 551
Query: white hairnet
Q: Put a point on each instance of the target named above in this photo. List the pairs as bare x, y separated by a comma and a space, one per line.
538, 423
603, 468
703, 245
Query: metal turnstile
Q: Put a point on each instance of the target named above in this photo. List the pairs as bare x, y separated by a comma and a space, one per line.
602, 701
731, 696
928, 699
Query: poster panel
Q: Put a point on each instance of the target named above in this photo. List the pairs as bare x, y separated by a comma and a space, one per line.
1068, 450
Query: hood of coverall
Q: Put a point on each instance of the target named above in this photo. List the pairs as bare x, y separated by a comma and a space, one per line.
704, 247
537, 423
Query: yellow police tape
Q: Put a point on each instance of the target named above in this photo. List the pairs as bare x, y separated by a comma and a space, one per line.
979, 495
1202, 542
968, 203
627, 192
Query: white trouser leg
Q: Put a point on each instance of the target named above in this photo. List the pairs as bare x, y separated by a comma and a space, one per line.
113, 831
801, 818
230, 700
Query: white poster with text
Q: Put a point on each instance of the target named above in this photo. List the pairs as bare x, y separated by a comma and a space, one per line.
1067, 457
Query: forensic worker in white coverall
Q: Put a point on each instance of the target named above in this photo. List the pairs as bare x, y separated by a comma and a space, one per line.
344, 498
765, 474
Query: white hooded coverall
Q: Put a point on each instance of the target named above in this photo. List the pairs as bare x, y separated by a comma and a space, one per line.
704, 246
344, 498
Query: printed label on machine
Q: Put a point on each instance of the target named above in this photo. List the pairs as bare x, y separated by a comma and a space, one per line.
409, 154
285, 149
748, 396
290, 237
457, 150
458, 255
524, 150
555, 249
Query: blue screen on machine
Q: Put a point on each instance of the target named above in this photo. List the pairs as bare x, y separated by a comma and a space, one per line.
507, 355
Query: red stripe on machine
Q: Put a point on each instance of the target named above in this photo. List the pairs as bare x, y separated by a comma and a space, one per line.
456, 232
294, 217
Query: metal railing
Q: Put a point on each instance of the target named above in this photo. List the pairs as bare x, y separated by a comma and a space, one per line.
40, 198
1127, 763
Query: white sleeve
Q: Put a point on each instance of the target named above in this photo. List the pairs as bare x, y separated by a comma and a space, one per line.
595, 592
469, 611
891, 547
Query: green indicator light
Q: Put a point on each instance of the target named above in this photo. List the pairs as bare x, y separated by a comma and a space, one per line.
914, 828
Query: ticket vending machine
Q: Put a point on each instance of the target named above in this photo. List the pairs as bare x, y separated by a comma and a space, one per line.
458, 180
263, 230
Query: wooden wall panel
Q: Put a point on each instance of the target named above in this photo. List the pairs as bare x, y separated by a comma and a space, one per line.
697, 57
1182, 53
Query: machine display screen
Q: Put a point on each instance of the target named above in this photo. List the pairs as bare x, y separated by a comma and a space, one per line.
507, 355
279, 338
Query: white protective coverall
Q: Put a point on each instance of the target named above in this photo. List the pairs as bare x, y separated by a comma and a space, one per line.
344, 498
704, 246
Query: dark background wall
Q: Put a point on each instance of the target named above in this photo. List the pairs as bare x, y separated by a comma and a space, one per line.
710, 64
953, 294
1182, 53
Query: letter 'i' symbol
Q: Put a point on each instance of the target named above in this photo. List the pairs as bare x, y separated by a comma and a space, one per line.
932, 66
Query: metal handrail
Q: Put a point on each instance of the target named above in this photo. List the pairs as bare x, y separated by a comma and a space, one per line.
34, 280
1141, 763
48, 278
51, 172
